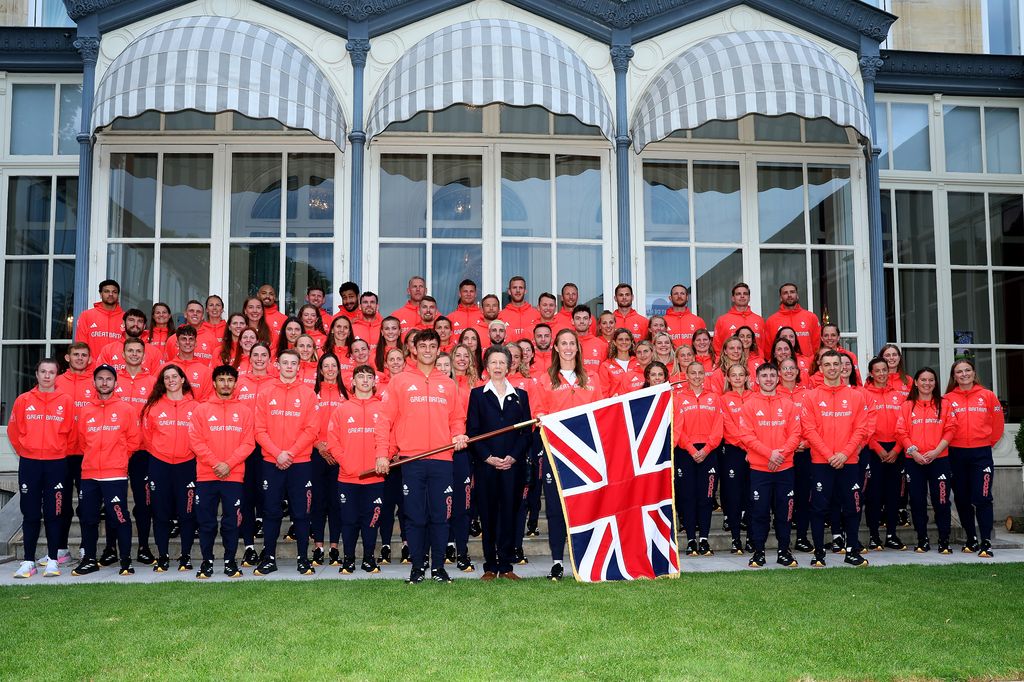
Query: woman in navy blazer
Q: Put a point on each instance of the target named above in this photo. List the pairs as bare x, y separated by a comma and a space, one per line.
499, 462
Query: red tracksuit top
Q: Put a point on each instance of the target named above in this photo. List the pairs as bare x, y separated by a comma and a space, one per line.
157, 337
521, 319
352, 438
566, 395
732, 405
979, 416
222, 431
287, 418
563, 320
419, 413
328, 400
901, 384
698, 419
134, 390
82, 390
611, 373
835, 419
165, 429
275, 320
919, 425
207, 350
595, 352
108, 431
408, 316
113, 355
727, 324
769, 423
468, 317
42, 425
199, 375
804, 323
682, 325
249, 386
98, 326
633, 322
367, 330
885, 405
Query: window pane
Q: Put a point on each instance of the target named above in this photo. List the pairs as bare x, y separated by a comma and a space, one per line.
780, 203
62, 302
147, 120
970, 306
1002, 140
528, 120
778, 267
132, 266
890, 306
25, 291
910, 137
28, 216
830, 199
570, 125
835, 287
777, 128
916, 358
32, 119
306, 265
915, 227
1010, 367
717, 130
717, 271
184, 274
666, 202
459, 118
881, 132
403, 195
457, 197
919, 306
1007, 293
250, 266
963, 139
1007, 226
403, 261
666, 266
243, 122
132, 195
531, 261
967, 228
584, 266
256, 195
187, 208
887, 253
525, 195
190, 120
311, 198
716, 202
1003, 27
19, 374
67, 215
450, 264
822, 130
578, 196
416, 124
70, 122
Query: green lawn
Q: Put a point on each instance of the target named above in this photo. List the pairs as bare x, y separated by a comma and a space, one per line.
904, 622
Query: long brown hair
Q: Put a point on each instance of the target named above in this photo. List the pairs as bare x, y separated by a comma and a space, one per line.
556, 362
160, 388
230, 351
952, 383
262, 328
915, 395
380, 354
330, 345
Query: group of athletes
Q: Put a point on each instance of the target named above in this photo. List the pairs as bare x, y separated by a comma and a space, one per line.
234, 422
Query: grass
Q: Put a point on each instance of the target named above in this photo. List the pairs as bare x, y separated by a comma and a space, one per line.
900, 622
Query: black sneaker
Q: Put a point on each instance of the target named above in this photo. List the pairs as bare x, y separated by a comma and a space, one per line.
231, 569
518, 557
757, 561
85, 567
205, 571
449, 553
803, 545
704, 548
290, 535
748, 546
348, 565
474, 528
818, 560
145, 556
318, 556
126, 568
250, 557
184, 563
109, 557
162, 565
691, 548
370, 565
838, 545
416, 576
385, 555
258, 531
334, 557
304, 567
944, 547
439, 575
923, 546
970, 547
464, 564
406, 556
556, 572
737, 548
267, 566
532, 531
904, 518
875, 544
726, 526
893, 542
854, 558
715, 506
785, 558
175, 528
985, 550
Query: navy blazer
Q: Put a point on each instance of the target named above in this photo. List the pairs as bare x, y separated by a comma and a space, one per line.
486, 415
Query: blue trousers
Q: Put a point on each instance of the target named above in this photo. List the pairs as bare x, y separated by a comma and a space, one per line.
802, 490
973, 470
393, 499
427, 486
883, 493
529, 509
325, 500
462, 500
500, 495
43, 498
72, 483
113, 496
696, 485
557, 528
172, 492
771, 491
844, 486
227, 495
936, 478
360, 506
252, 500
296, 484
735, 478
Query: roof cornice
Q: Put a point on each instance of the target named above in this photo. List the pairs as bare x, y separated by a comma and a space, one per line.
908, 72
37, 50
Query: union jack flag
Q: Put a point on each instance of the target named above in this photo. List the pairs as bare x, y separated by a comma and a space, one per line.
612, 461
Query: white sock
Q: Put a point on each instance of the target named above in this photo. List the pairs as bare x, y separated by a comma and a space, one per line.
557, 562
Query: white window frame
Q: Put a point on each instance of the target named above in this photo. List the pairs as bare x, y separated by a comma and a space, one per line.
986, 41
56, 80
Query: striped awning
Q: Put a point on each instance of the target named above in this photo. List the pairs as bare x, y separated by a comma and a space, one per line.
215, 64
490, 60
729, 76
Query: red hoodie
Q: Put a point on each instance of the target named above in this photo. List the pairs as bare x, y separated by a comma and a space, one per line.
200, 377
698, 419
422, 412
835, 419
328, 400
804, 323
287, 418
732, 405
521, 319
727, 324
979, 416
157, 337
249, 386
275, 320
595, 352
42, 424
207, 349
885, 404
611, 373
919, 425
408, 317
134, 390
98, 326
165, 429
769, 422
351, 437
367, 330
113, 355
563, 320
465, 317
108, 431
566, 395
82, 390
633, 322
222, 431
681, 326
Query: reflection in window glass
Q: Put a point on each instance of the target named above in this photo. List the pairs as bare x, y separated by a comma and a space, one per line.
1002, 140
777, 128
887, 238
306, 265
132, 266
830, 200
963, 139
717, 271
311, 198
919, 306
835, 291
66, 215
1010, 365
399, 262
967, 228
890, 305
28, 216
824, 131
881, 132
666, 266
403, 195
717, 130
147, 120
70, 122
450, 264
62, 299
459, 118
666, 202
780, 203
256, 195
25, 291
533, 120
532, 261
190, 120
716, 202
32, 119
915, 226
249, 267
19, 374
1003, 26
584, 266
132, 195
1007, 294
570, 125
184, 274
187, 206
970, 305
578, 197
910, 137
243, 122
781, 266
525, 195
916, 358
457, 197
1007, 225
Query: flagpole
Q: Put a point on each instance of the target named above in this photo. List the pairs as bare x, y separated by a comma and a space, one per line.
445, 448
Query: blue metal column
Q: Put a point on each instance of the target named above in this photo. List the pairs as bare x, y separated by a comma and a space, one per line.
622, 52
869, 66
88, 46
358, 47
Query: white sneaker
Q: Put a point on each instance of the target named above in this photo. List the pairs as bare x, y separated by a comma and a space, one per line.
52, 569
63, 556
26, 570
45, 560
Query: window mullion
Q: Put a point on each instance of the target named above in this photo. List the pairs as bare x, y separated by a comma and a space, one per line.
553, 219
281, 236
158, 227
428, 250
